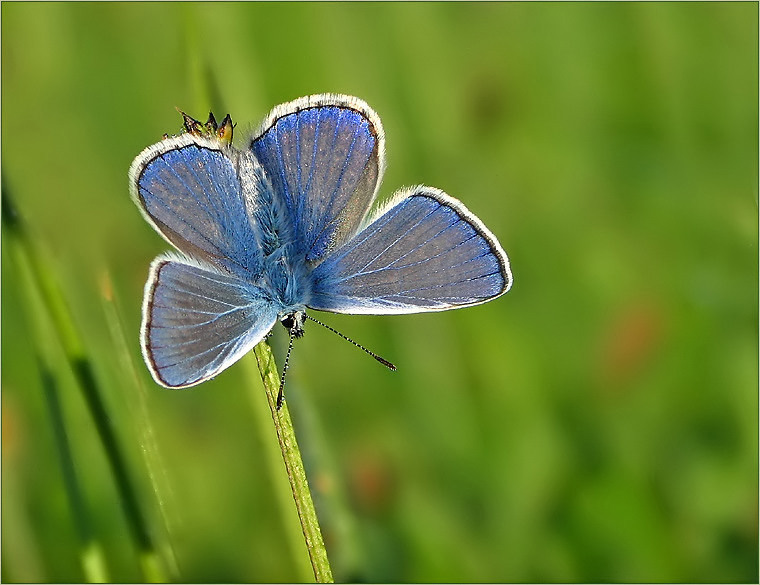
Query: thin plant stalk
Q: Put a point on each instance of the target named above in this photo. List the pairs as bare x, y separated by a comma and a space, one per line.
295, 554
91, 557
91, 553
44, 281
149, 447
291, 456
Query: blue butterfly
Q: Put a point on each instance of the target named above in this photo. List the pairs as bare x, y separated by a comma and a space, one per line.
283, 226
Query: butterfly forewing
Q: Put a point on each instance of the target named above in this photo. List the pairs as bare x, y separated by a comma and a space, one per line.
324, 158
425, 253
190, 190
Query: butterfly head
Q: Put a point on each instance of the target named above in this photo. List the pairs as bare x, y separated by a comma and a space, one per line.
293, 322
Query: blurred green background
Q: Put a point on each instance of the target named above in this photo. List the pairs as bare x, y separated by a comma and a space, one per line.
598, 423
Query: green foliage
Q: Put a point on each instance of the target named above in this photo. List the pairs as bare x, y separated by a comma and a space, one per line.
598, 423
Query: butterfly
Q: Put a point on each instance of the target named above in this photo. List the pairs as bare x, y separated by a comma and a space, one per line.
283, 225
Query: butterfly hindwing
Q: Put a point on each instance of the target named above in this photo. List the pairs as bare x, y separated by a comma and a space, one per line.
197, 321
424, 252
324, 156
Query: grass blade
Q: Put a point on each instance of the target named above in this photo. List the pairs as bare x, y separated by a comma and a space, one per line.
92, 559
148, 445
44, 281
291, 456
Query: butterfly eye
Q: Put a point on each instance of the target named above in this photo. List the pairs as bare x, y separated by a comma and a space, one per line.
288, 321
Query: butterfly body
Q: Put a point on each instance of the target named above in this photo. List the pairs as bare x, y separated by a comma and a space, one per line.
284, 224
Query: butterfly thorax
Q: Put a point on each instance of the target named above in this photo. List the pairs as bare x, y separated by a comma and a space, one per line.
285, 278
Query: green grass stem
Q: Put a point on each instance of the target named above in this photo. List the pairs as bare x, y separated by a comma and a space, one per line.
92, 560
91, 553
291, 456
43, 280
142, 417
296, 556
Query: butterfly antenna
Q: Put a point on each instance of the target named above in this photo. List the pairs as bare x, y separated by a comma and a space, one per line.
281, 393
385, 362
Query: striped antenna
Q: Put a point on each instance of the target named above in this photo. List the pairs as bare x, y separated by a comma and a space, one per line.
383, 361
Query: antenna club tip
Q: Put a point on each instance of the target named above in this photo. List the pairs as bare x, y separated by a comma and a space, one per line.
386, 363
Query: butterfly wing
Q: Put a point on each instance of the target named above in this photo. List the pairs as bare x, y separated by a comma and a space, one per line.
197, 321
423, 252
204, 199
324, 157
